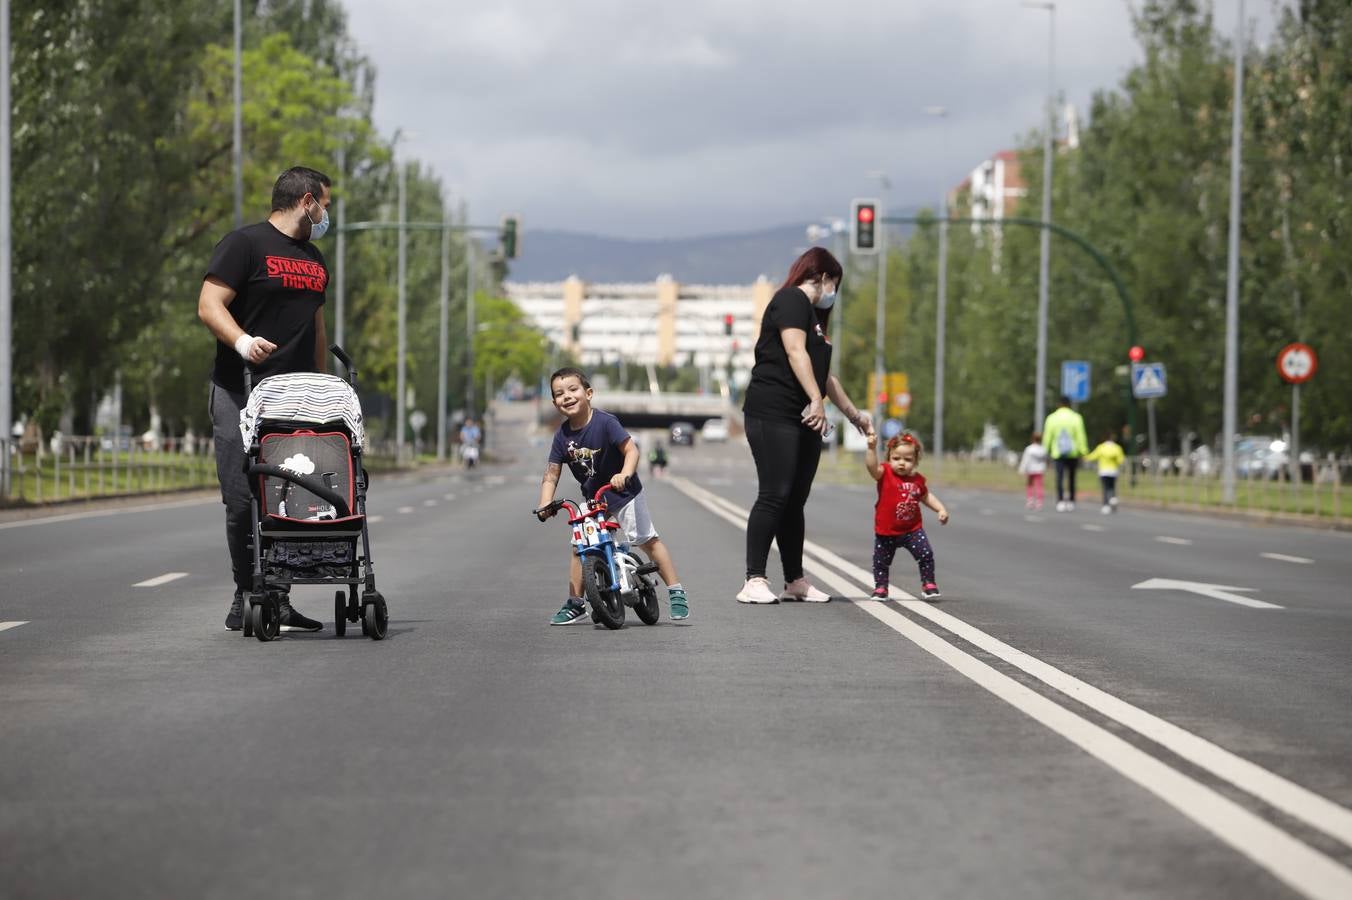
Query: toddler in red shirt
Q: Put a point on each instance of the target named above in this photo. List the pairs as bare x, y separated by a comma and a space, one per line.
896, 518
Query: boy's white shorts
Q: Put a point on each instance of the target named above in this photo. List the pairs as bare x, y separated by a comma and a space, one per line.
635, 523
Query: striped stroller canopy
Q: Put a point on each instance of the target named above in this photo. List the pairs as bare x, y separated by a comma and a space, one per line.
310, 398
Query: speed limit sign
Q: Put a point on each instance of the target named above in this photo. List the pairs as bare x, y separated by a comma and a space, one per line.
1297, 363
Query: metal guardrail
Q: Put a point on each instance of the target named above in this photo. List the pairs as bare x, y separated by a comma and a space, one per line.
81, 468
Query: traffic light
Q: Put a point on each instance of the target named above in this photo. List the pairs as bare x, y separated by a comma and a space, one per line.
864, 227
727, 325
507, 236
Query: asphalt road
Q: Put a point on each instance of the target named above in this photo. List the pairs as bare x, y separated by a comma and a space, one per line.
1046, 730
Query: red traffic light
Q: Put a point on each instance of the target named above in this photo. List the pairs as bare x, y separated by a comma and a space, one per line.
1136, 354
866, 214
882, 396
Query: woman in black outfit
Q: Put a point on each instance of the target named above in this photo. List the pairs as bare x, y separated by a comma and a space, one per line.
785, 418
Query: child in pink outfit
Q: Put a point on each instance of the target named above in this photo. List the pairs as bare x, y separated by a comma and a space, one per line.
1033, 465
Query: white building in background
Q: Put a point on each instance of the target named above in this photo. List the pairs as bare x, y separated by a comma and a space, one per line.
662, 322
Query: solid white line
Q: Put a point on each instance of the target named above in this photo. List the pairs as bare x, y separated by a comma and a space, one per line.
1165, 539
6, 626
100, 513
1091, 527
404, 510
1282, 557
1287, 796
161, 579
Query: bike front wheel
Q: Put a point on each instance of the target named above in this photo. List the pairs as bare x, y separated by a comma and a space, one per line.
606, 605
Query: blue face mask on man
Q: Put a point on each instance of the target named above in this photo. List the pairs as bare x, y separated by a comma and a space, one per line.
320, 228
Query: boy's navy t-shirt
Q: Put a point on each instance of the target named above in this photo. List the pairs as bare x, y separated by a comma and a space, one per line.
593, 454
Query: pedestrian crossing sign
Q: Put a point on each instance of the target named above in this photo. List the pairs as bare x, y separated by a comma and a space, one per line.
1148, 380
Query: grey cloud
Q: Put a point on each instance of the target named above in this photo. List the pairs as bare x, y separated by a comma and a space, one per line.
665, 119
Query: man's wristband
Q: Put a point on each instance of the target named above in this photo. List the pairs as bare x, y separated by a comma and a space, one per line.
243, 343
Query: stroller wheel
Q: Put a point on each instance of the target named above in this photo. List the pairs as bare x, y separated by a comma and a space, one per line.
249, 601
340, 613
375, 617
266, 620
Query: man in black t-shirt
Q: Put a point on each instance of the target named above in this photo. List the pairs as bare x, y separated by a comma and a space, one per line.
263, 299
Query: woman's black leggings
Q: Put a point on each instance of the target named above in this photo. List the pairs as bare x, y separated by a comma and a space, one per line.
786, 455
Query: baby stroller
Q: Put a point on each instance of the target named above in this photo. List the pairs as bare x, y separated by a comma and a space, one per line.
304, 437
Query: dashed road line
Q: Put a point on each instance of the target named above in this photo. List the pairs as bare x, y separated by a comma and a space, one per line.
1166, 539
1035, 518
1282, 557
374, 520
448, 496
6, 626
429, 503
987, 512
1088, 526
404, 510
1304, 868
161, 579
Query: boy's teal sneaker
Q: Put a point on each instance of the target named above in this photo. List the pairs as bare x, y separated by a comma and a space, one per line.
680, 607
570, 612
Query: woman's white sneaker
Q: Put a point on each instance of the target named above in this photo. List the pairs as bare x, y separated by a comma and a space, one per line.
803, 590
756, 590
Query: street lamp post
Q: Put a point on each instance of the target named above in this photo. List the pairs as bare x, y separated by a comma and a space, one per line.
237, 146
400, 399
470, 329
6, 295
443, 338
1232, 276
941, 311
1044, 262
340, 238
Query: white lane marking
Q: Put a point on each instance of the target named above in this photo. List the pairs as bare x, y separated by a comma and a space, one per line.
1165, 539
1287, 796
98, 514
429, 503
1089, 526
987, 512
6, 626
375, 519
1215, 591
448, 496
1282, 557
161, 579
1035, 518
404, 510
495, 480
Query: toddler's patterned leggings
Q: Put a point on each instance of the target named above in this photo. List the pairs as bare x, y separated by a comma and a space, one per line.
916, 543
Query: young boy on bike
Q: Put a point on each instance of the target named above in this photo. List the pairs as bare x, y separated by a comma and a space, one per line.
599, 451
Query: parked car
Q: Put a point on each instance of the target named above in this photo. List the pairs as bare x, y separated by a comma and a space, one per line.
715, 430
682, 434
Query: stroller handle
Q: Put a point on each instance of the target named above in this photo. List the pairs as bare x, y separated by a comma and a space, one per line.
346, 360
313, 485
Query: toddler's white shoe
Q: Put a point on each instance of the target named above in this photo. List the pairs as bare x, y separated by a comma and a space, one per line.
1107, 510
804, 590
756, 590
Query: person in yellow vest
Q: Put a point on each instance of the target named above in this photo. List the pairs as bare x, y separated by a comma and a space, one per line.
1063, 436
1110, 456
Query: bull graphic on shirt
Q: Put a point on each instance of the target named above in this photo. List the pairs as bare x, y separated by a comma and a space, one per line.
582, 456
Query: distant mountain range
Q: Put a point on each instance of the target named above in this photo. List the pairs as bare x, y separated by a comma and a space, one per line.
714, 259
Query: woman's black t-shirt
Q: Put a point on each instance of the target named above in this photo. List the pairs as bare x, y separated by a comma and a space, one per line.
279, 285
774, 391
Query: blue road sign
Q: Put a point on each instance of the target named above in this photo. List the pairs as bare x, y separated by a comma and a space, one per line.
1075, 380
1148, 381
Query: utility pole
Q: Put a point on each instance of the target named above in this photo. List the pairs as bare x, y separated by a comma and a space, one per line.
941, 311
880, 311
237, 150
443, 337
6, 261
400, 399
1232, 276
1044, 261
470, 328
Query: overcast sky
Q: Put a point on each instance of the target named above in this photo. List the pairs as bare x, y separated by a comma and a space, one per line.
668, 119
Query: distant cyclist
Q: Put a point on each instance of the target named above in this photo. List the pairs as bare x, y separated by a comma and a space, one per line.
471, 435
